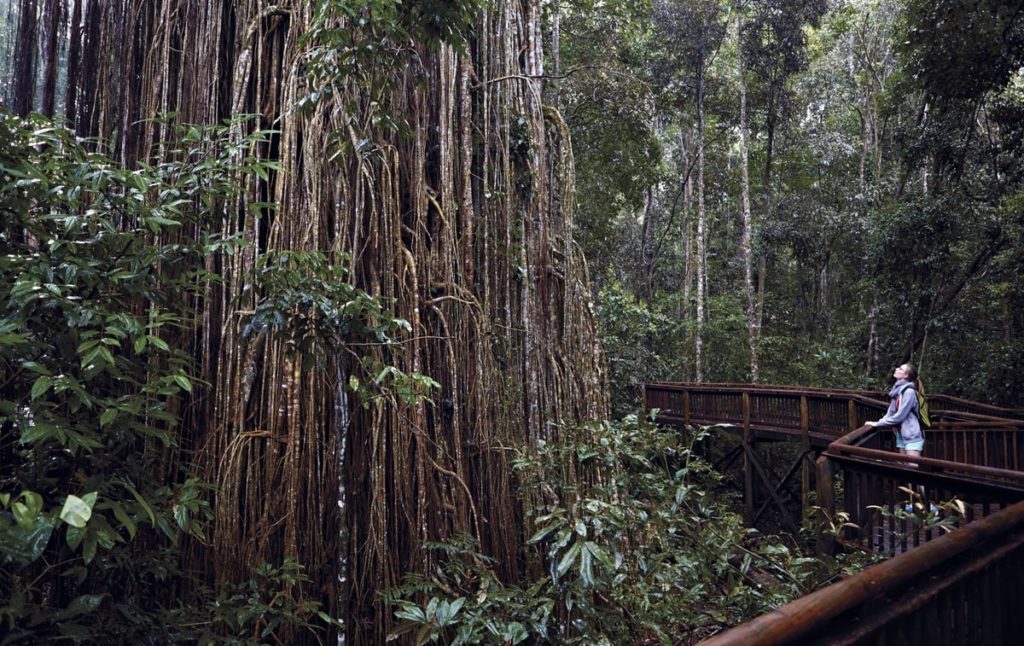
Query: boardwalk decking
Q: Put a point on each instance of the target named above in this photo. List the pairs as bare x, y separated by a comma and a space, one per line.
937, 587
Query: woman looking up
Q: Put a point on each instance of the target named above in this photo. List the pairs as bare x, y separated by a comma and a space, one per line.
902, 412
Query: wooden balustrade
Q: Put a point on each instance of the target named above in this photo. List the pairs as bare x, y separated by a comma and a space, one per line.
961, 588
877, 483
939, 585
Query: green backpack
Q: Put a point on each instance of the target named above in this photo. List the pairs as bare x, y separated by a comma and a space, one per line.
922, 407
922, 410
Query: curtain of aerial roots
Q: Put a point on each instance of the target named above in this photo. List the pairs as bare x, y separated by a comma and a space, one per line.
464, 226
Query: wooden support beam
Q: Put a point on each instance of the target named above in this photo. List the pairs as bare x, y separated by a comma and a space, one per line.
787, 519
748, 449
826, 506
803, 460
805, 439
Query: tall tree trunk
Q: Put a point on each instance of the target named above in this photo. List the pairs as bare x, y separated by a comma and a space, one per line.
53, 22
702, 267
74, 49
25, 59
753, 331
556, 52
463, 228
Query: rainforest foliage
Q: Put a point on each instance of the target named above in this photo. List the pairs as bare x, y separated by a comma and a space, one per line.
884, 194
315, 314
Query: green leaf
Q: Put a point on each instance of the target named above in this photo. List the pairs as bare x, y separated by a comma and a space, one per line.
79, 606
122, 517
89, 547
41, 385
108, 416
23, 545
158, 342
586, 568
76, 511
600, 554
36, 368
142, 502
567, 560
74, 537
183, 381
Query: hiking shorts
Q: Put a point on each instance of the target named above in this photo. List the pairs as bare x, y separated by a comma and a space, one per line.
916, 445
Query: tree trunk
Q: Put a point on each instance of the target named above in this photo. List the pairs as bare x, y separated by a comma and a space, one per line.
702, 267
23, 100
463, 229
53, 22
746, 244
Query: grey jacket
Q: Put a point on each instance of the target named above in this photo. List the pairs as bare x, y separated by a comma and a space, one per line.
902, 411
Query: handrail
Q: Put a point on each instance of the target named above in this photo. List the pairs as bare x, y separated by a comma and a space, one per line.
975, 452
939, 402
813, 613
922, 461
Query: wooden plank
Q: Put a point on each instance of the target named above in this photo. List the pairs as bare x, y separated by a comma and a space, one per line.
812, 614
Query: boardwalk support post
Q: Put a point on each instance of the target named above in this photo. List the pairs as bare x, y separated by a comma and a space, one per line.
805, 439
826, 507
748, 475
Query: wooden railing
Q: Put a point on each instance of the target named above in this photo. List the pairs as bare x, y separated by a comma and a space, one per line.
862, 476
723, 403
962, 588
957, 551
824, 414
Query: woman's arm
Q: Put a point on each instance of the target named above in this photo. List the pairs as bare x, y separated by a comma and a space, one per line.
907, 400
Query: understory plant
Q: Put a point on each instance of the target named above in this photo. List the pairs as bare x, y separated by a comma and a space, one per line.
628, 545
101, 271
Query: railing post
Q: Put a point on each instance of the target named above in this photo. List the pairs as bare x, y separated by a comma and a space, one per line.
826, 506
805, 438
686, 407
851, 413
748, 476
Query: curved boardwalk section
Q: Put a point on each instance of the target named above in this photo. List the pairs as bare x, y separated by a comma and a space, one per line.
952, 520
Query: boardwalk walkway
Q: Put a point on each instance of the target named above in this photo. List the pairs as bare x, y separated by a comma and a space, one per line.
939, 586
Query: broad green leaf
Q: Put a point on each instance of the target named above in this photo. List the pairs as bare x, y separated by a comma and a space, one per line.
158, 342
76, 511
567, 560
23, 545
74, 537
36, 432
80, 606
108, 416
122, 517
89, 547
586, 568
41, 385
183, 381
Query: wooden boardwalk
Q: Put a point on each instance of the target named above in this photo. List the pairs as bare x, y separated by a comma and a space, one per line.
938, 586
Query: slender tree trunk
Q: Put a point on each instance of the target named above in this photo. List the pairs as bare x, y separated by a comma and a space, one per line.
646, 253
748, 226
25, 59
701, 230
556, 52
74, 49
54, 22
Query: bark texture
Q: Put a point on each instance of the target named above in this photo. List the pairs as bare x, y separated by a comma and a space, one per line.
462, 223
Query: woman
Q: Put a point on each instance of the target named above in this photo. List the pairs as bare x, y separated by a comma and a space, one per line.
902, 412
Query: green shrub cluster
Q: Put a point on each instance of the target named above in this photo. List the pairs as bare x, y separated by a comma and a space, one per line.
632, 544
100, 271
